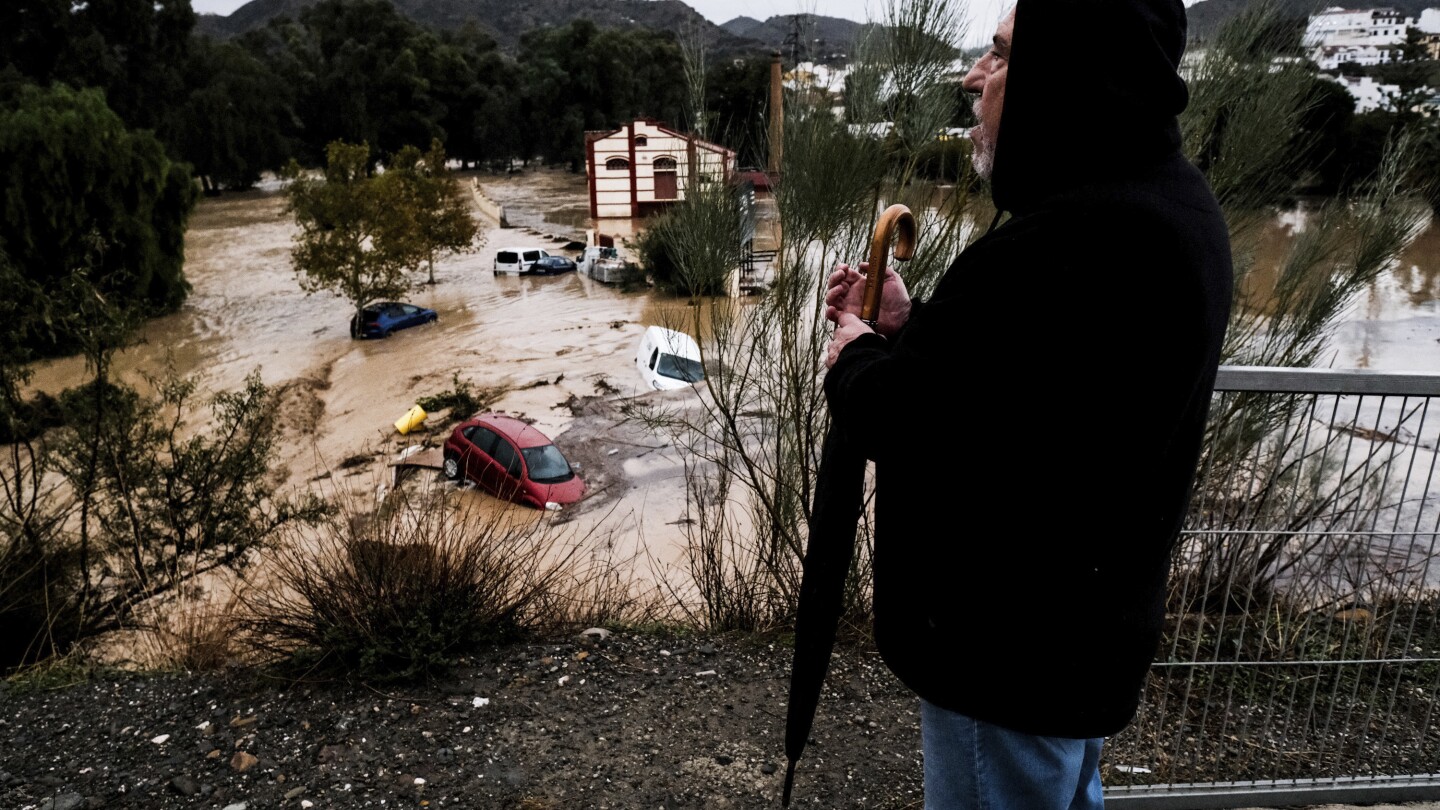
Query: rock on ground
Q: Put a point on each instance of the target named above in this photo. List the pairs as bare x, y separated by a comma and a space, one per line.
626, 721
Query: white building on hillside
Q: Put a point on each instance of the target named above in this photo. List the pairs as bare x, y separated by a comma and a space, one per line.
1368, 94
1369, 36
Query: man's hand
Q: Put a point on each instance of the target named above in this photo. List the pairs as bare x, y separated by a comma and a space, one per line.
845, 293
847, 328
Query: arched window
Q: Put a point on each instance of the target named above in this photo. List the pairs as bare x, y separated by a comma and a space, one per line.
641, 140
617, 164
664, 164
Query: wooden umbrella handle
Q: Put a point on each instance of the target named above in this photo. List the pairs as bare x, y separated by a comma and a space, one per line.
896, 217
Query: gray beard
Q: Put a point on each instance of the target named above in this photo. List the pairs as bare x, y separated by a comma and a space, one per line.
983, 157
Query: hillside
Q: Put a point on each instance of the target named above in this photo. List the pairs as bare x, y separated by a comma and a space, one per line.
812, 36
504, 20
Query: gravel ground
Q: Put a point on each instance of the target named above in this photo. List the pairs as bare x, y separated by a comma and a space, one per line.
628, 721
601, 720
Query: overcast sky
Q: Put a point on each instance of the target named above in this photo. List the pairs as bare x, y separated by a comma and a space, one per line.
984, 13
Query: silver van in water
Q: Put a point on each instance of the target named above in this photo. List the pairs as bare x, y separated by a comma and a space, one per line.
516, 259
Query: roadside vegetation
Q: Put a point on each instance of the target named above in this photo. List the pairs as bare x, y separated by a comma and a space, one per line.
398, 591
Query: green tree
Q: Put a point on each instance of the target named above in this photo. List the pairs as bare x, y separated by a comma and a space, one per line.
34, 580
737, 101
1413, 48
134, 50
74, 175
235, 120
170, 503
474, 84
361, 72
436, 205
579, 78
125, 502
354, 230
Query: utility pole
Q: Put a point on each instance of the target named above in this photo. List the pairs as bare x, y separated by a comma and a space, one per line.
777, 113
793, 39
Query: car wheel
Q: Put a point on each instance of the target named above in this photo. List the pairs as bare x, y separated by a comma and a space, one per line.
451, 468
384, 333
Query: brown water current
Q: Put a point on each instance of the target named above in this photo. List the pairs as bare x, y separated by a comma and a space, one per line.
548, 341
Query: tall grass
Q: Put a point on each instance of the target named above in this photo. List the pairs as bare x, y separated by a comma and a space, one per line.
398, 590
1275, 467
754, 434
752, 437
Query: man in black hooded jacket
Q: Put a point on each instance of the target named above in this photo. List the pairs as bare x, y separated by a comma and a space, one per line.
1029, 488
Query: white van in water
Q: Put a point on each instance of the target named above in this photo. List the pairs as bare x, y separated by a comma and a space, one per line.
516, 259
668, 359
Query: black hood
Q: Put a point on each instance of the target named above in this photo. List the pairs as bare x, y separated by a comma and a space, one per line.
1092, 89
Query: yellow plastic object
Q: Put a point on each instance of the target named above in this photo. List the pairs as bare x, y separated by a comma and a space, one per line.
410, 420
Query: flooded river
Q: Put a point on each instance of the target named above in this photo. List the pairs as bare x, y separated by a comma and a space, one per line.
548, 341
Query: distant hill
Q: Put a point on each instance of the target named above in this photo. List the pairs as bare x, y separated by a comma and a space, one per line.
506, 20
1206, 16
812, 36
741, 26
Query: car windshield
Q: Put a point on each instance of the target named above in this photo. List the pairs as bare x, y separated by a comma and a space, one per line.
680, 368
506, 256
547, 465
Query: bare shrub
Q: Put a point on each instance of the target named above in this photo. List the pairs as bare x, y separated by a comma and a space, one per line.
398, 592
194, 633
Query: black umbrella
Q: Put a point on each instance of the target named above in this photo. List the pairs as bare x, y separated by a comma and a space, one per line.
839, 495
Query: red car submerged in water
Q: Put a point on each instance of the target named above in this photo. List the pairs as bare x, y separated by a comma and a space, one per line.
511, 460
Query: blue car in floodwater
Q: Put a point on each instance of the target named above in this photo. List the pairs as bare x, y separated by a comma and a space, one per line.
379, 319
551, 266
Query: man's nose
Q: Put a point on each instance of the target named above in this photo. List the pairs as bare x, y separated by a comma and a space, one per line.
974, 81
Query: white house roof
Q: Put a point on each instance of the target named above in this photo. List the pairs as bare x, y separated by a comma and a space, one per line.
597, 134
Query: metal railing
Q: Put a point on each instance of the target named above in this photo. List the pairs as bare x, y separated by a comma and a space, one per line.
1301, 656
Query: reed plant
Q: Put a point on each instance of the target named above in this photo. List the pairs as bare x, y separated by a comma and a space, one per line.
1284, 472
752, 436
397, 590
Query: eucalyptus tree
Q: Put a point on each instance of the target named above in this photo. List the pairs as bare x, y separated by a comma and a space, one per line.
360, 70
355, 235
235, 120
436, 206
133, 50
579, 77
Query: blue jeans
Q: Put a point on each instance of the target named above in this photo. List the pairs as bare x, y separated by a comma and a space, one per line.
972, 765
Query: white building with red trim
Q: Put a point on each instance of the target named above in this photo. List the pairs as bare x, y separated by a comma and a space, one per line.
644, 166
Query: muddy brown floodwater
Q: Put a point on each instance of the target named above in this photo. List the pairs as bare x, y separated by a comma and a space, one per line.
551, 342
561, 347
